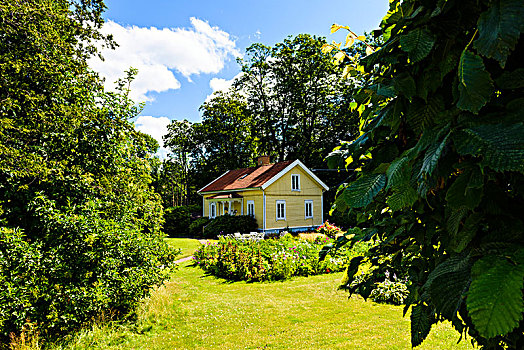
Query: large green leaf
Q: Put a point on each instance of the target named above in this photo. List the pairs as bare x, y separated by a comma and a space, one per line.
475, 84
494, 300
501, 146
405, 84
361, 192
422, 317
499, 29
422, 114
455, 218
511, 80
402, 197
417, 43
398, 173
465, 192
448, 283
432, 156
460, 241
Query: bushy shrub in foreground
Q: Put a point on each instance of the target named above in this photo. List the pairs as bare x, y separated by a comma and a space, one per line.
270, 260
229, 224
94, 266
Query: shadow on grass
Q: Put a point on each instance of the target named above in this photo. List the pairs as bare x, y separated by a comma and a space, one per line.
223, 280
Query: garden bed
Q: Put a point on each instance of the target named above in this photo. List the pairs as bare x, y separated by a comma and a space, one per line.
272, 259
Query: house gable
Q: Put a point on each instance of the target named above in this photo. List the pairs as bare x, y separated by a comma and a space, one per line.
287, 169
283, 185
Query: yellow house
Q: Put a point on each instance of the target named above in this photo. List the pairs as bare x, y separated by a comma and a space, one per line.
285, 195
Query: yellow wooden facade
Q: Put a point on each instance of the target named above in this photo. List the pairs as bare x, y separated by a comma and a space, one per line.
281, 190
265, 202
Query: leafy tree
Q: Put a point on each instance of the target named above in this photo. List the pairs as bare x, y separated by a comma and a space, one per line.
441, 160
79, 224
299, 103
290, 103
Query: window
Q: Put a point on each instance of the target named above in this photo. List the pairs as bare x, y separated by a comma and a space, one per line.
295, 182
308, 208
212, 210
281, 210
251, 208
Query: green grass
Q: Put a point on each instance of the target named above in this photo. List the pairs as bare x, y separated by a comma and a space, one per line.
194, 311
186, 245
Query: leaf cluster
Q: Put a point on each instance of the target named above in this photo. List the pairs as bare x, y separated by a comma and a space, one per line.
440, 160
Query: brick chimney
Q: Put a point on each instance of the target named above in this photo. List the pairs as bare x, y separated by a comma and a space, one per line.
263, 160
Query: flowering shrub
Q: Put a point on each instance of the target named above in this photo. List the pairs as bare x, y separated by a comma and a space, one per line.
329, 230
269, 260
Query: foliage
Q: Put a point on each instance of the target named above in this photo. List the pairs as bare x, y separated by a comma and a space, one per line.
392, 292
329, 230
272, 259
229, 224
440, 177
197, 226
178, 219
79, 224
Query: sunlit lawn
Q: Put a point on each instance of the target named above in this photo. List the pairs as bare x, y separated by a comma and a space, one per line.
187, 245
194, 311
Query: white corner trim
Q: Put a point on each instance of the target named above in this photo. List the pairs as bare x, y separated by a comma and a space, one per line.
264, 211
322, 207
213, 181
288, 168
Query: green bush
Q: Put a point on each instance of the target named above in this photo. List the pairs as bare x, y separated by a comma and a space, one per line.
272, 259
87, 265
228, 224
195, 228
177, 220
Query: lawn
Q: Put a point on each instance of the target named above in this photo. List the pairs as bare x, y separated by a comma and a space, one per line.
194, 311
186, 245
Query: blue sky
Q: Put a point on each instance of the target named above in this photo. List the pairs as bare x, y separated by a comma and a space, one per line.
186, 49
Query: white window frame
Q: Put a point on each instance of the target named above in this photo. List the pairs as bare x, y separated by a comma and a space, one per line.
306, 202
295, 176
248, 203
281, 202
212, 208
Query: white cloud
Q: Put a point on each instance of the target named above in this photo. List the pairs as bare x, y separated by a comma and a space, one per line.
219, 84
156, 127
158, 53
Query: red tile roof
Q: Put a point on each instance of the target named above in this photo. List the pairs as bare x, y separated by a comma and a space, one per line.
254, 177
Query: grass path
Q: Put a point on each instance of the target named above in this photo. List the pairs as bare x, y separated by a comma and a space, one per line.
194, 311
